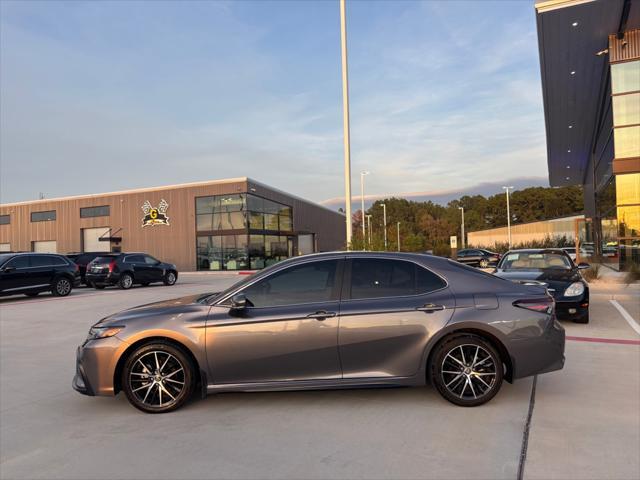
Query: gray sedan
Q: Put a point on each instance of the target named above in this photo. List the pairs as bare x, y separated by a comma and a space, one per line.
332, 320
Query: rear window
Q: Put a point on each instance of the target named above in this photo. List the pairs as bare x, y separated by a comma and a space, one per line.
103, 259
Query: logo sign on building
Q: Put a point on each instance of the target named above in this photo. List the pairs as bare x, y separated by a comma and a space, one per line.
453, 240
155, 216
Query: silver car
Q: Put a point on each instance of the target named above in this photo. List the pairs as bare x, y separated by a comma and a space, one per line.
332, 320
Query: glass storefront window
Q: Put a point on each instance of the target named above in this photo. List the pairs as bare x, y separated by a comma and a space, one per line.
625, 77
222, 252
286, 225
629, 221
256, 221
626, 109
627, 141
271, 222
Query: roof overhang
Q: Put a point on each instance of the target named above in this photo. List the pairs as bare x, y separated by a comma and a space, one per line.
570, 35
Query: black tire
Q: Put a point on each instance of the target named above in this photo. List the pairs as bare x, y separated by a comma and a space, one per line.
126, 281
583, 319
170, 278
175, 368
476, 383
61, 287
32, 294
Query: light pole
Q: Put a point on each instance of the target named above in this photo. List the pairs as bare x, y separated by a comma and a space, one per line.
384, 222
398, 225
462, 225
506, 190
364, 233
345, 117
369, 229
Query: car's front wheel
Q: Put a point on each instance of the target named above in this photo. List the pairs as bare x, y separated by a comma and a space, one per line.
170, 278
158, 377
61, 287
467, 370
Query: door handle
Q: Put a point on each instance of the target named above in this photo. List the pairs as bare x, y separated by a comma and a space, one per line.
321, 315
430, 308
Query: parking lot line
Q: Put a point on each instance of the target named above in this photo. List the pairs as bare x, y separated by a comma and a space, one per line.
626, 316
619, 341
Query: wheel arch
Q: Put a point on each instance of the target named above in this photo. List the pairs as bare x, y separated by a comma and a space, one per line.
491, 337
201, 378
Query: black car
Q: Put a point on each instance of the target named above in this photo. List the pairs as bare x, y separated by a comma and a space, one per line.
127, 269
477, 257
82, 259
32, 273
553, 269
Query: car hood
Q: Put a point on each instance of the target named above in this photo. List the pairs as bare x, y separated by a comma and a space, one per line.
554, 278
164, 307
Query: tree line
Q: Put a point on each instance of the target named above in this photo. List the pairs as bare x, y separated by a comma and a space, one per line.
428, 226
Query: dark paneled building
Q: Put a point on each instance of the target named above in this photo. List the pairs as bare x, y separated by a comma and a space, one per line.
236, 224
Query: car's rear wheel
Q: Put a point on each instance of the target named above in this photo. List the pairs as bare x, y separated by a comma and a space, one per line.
126, 281
158, 378
61, 287
467, 370
170, 278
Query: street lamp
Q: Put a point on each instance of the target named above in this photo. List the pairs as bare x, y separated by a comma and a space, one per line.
462, 225
369, 229
345, 118
362, 175
398, 225
384, 222
506, 189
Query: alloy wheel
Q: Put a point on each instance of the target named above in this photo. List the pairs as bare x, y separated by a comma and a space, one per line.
127, 281
157, 379
63, 287
468, 372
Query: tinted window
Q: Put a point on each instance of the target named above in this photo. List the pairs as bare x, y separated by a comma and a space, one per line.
18, 262
103, 260
102, 211
43, 216
373, 278
5, 219
307, 283
150, 260
45, 261
134, 259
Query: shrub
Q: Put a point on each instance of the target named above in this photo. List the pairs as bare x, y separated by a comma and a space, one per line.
592, 273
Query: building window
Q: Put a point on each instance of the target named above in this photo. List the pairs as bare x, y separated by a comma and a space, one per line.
5, 219
625, 77
221, 212
269, 215
627, 141
626, 109
88, 212
222, 252
43, 216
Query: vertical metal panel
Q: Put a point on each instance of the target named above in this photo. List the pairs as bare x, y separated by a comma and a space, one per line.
625, 49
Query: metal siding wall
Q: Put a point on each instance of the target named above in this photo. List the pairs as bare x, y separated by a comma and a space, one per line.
626, 49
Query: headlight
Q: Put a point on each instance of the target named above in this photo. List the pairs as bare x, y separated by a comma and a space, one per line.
574, 290
102, 332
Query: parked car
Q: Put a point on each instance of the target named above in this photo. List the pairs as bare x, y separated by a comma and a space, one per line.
571, 251
329, 320
33, 273
128, 269
477, 257
82, 259
553, 269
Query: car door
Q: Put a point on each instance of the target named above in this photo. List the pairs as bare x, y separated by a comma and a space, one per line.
14, 275
389, 310
42, 269
289, 331
153, 269
139, 267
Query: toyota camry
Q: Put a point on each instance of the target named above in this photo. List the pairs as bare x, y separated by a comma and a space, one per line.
331, 320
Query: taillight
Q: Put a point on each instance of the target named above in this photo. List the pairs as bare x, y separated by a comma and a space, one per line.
112, 265
542, 305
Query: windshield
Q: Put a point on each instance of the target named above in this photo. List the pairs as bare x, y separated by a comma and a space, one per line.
534, 261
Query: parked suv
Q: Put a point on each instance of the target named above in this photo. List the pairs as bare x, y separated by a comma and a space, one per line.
127, 269
32, 273
477, 257
82, 259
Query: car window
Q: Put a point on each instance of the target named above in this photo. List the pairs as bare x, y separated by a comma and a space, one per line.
41, 261
306, 283
134, 259
427, 281
18, 262
462, 253
102, 260
150, 260
535, 261
374, 278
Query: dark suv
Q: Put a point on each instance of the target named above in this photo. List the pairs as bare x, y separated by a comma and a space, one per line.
478, 257
127, 269
82, 259
32, 273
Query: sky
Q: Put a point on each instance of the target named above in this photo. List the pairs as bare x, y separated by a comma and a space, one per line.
445, 96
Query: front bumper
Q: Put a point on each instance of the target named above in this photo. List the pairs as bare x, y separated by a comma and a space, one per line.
96, 362
572, 310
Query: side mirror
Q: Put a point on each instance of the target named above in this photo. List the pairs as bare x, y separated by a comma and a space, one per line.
583, 266
239, 301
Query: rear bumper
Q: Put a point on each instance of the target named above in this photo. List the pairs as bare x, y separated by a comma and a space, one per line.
102, 278
542, 354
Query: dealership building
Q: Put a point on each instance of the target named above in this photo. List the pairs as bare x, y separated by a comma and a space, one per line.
235, 224
590, 66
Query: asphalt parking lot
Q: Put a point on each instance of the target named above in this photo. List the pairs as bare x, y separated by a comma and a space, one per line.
582, 422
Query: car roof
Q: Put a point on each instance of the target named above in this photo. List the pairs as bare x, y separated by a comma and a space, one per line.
537, 250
